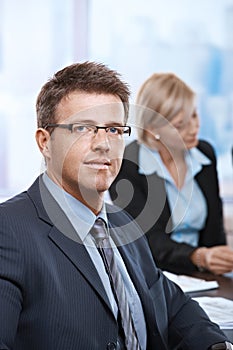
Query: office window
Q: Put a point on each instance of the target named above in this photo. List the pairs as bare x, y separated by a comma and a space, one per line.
36, 39
193, 39
190, 38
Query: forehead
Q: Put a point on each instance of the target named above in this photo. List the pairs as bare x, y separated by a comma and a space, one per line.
98, 108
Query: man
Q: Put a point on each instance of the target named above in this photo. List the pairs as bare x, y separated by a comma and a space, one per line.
56, 289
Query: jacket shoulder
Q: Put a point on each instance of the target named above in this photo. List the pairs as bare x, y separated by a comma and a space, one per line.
206, 148
131, 151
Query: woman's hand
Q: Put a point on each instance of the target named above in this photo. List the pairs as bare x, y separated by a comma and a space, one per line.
218, 259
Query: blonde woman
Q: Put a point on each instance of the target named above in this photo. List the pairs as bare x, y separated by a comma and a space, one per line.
168, 181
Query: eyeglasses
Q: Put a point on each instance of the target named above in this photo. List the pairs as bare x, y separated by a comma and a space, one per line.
87, 129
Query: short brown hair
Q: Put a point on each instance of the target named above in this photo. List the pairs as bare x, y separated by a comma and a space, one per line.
89, 77
162, 94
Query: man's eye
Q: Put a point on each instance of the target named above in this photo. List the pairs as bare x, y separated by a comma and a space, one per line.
115, 130
80, 128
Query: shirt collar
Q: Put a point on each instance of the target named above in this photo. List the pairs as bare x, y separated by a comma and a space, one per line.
81, 217
150, 161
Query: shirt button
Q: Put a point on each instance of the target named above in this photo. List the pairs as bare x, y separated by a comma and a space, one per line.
111, 346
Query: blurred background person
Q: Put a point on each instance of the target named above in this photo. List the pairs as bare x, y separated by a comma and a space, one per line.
169, 183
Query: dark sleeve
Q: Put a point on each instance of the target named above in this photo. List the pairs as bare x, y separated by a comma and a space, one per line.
11, 270
189, 326
180, 320
213, 233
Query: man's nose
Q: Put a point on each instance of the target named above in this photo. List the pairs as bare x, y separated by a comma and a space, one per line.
101, 140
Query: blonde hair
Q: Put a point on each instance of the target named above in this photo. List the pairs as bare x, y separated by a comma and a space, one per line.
160, 98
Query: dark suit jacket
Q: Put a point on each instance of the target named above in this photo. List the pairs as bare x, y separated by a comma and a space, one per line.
51, 296
144, 197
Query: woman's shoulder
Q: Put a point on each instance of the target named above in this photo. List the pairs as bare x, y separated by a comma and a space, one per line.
131, 151
206, 148
132, 146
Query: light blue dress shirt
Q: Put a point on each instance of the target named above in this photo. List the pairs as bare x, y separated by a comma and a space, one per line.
188, 204
82, 219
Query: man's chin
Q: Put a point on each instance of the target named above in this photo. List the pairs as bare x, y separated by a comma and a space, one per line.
103, 183
103, 188
96, 189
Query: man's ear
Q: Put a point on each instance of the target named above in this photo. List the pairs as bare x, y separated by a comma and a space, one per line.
42, 139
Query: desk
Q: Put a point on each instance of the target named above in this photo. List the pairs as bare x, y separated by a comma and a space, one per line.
225, 290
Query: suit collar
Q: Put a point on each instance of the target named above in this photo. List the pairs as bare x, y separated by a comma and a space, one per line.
80, 258
64, 236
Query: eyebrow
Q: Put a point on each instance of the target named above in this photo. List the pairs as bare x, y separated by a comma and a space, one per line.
92, 122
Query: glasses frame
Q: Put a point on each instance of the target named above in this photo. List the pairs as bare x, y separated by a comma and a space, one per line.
96, 128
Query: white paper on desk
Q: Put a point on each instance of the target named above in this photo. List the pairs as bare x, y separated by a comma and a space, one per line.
191, 284
219, 310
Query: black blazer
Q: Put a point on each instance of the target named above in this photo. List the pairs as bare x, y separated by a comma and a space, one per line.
144, 197
51, 296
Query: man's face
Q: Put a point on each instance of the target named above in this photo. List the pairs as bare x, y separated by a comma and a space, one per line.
86, 164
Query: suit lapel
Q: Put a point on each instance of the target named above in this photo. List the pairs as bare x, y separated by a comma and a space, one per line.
64, 236
79, 256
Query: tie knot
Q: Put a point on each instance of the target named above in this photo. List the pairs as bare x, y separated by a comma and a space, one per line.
99, 231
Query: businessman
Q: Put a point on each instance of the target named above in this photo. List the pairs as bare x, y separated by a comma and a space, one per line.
76, 273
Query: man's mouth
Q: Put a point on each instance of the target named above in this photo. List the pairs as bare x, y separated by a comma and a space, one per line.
99, 164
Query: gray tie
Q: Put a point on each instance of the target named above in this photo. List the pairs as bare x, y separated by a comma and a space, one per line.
101, 237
